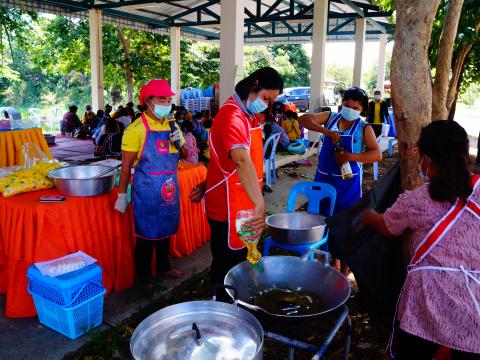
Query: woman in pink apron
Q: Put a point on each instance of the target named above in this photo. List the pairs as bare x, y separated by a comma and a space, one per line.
440, 301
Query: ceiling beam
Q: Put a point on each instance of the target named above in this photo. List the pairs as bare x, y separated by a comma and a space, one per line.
363, 13
118, 4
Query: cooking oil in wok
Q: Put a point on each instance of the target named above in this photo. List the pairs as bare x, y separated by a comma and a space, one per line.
288, 302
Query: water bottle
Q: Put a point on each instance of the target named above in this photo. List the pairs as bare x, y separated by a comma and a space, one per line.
345, 168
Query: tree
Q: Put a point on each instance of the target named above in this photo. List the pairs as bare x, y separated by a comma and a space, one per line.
370, 77
411, 80
293, 63
255, 57
340, 73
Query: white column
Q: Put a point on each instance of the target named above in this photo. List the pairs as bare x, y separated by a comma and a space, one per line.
319, 39
361, 24
381, 62
175, 63
96, 58
231, 46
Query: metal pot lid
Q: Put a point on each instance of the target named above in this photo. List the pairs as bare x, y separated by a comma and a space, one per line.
198, 330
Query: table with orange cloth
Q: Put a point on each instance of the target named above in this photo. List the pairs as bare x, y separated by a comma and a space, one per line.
31, 231
11, 142
194, 230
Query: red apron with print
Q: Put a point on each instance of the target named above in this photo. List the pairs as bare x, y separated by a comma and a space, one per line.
433, 237
237, 198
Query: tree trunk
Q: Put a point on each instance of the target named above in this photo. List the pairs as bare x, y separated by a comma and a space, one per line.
127, 67
411, 81
444, 60
457, 71
453, 107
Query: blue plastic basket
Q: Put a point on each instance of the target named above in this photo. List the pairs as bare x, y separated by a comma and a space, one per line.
64, 288
82, 315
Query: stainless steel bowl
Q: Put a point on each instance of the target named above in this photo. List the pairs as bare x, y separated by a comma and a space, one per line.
198, 330
78, 180
296, 228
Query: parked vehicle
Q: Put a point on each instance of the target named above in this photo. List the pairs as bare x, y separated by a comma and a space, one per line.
300, 96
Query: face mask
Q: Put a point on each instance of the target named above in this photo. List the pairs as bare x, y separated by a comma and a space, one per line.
256, 106
161, 111
349, 114
377, 97
423, 175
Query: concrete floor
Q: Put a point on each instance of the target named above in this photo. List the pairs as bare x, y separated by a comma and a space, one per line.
27, 339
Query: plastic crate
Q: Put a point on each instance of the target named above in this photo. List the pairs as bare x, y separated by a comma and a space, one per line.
84, 314
64, 288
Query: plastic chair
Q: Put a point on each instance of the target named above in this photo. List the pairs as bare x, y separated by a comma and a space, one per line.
270, 172
316, 193
389, 151
55, 119
35, 116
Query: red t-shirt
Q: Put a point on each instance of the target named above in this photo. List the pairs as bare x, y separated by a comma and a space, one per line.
229, 131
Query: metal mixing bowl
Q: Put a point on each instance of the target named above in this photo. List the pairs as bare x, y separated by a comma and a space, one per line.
78, 180
296, 228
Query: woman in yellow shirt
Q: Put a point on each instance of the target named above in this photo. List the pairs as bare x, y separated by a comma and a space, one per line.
154, 146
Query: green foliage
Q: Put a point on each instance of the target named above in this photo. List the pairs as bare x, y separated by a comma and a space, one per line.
370, 77
340, 73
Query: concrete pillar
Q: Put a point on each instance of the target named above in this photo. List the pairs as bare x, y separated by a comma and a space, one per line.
231, 46
96, 58
381, 62
319, 39
175, 63
361, 24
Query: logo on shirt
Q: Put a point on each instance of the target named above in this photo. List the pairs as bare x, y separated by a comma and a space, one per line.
168, 190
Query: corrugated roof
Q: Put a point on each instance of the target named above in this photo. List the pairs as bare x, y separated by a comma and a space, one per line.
280, 21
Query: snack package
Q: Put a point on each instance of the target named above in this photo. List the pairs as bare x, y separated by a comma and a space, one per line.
27, 180
32, 176
65, 264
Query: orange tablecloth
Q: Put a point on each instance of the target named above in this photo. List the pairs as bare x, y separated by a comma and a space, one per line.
32, 232
194, 230
11, 145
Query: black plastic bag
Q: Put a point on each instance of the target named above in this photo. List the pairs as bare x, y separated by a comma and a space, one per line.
375, 260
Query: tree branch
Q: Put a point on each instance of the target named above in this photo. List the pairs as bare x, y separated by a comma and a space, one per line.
444, 61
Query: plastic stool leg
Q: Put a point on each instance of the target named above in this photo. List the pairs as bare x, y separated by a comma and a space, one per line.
375, 171
266, 246
390, 147
267, 173
274, 172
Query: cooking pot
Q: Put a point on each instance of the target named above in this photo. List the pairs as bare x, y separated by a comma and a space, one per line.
198, 330
289, 272
78, 180
296, 228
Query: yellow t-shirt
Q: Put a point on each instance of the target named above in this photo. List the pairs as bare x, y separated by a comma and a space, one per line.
376, 115
135, 134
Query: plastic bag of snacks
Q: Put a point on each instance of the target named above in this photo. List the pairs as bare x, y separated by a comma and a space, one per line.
32, 176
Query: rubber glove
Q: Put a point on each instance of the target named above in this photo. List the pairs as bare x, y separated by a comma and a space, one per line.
121, 203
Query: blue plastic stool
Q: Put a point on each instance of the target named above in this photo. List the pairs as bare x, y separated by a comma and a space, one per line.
315, 192
270, 173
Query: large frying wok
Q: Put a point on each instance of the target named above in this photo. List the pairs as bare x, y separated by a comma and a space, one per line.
289, 272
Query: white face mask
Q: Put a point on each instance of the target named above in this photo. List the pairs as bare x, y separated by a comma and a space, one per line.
377, 97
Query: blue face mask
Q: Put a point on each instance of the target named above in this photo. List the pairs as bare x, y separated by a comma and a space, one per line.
423, 175
349, 114
161, 111
256, 106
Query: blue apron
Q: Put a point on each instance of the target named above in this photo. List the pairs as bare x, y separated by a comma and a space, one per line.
156, 198
348, 191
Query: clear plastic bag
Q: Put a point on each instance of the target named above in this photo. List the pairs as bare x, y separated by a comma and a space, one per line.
32, 176
65, 264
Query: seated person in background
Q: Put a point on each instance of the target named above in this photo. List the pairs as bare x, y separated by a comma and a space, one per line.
124, 118
270, 128
198, 126
278, 112
108, 110
139, 111
97, 122
179, 117
188, 116
190, 142
110, 142
206, 151
130, 110
70, 122
292, 126
88, 116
